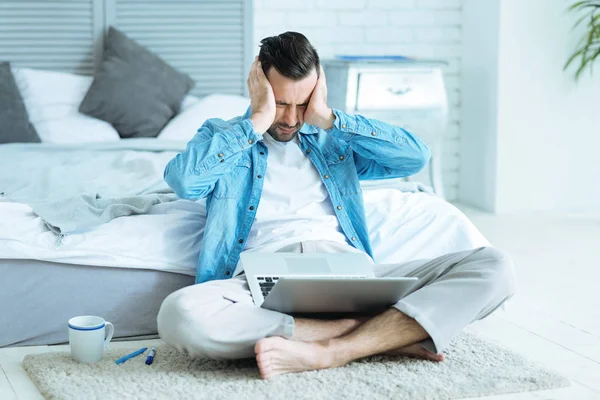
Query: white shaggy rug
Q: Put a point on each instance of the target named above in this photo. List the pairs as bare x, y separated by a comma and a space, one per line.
473, 367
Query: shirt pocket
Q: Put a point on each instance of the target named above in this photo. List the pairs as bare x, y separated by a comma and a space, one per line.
337, 154
232, 184
340, 163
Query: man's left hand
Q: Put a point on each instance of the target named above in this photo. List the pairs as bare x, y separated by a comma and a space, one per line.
318, 113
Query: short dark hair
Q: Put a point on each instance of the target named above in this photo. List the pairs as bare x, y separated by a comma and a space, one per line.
290, 53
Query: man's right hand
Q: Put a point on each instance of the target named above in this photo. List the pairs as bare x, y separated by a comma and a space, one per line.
262, 99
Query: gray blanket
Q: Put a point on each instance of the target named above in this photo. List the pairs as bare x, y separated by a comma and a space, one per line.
77, 187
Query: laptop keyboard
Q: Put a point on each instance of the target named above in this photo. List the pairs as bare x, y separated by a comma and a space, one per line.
266, 284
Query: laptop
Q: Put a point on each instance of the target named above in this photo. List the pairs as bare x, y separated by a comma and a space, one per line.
320, 282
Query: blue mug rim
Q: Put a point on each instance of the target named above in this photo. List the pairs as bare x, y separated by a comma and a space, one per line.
91, 328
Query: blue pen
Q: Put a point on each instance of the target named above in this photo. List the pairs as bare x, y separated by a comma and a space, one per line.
128, 356
151, 356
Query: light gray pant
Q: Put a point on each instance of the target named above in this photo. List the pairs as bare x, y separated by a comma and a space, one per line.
218, 319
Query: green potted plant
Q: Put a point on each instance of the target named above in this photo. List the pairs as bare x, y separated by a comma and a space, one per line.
588, 49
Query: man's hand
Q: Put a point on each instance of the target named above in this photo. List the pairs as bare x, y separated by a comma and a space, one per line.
262, 99
317, 113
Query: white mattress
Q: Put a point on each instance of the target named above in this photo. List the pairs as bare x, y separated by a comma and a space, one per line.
403, 226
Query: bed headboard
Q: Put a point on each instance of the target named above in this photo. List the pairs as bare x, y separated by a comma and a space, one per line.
211, 40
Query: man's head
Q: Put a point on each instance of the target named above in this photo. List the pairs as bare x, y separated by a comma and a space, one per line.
291, 64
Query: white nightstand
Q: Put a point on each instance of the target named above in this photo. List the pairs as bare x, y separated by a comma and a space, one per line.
410, 94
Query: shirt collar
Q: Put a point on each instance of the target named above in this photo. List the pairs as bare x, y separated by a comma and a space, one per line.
309, 129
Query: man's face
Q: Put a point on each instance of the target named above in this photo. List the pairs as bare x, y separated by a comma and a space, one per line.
291, 100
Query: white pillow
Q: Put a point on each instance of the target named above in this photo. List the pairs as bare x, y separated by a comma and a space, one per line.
52, 100
187, 102
185, 124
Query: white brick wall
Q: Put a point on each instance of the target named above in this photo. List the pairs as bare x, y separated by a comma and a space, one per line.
419, 28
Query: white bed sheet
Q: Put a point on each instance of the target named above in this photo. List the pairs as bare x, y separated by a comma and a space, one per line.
403, 226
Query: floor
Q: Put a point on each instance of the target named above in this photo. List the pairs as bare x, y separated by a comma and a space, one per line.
554, 319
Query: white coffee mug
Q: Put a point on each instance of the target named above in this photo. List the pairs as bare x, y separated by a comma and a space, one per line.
87, 337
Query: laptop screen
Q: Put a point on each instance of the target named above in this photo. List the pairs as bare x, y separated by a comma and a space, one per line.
310, 265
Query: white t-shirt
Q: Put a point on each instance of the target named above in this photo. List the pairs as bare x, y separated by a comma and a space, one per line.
294, 205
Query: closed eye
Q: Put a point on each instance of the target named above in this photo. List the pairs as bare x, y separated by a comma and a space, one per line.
282, 104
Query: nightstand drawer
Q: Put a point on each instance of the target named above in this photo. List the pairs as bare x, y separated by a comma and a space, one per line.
420, 122
399, 89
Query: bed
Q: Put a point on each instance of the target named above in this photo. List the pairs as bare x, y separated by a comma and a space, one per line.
122, 269
122, 264
102, 271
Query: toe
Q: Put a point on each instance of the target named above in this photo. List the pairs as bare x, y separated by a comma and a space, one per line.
428, 355
259, 346
271, 373
265, 372
264, 366
265, 376
263, 360
262, 357
267, 344
415, 350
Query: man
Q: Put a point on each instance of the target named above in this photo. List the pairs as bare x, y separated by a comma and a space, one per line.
285, 177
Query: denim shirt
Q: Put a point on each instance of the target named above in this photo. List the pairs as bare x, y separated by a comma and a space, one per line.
226, 162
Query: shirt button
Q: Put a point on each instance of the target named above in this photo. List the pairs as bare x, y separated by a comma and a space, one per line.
227, 273
373, 133
259, 176
353, 238
344, 126
262, 153
307, 151
251, 208
339, 207
250, 141
341, 158
220, 154
241, 241
326, 176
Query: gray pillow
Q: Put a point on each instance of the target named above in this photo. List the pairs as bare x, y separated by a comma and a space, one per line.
14, 121
134, 90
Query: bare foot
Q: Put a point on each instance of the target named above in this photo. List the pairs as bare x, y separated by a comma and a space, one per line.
416, 351
277, 356
312, 330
